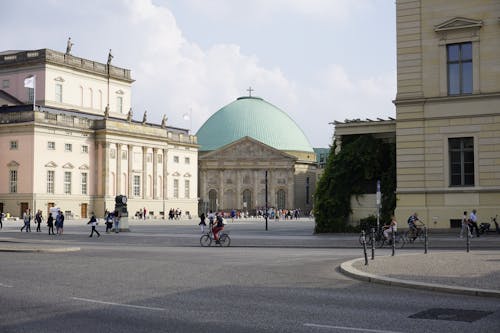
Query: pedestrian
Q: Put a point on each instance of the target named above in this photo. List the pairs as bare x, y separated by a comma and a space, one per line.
27, 221
60, 222
116, 220
465, 225
473, 222
93, 223
144, 213
50, 224
202, 223
38, 220
109, 221
2, 216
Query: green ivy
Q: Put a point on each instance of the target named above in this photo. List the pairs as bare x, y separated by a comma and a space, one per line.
362, 161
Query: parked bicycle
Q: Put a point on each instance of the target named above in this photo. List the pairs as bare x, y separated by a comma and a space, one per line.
208, 238
369, 238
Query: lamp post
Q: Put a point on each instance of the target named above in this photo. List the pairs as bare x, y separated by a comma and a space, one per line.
266, 202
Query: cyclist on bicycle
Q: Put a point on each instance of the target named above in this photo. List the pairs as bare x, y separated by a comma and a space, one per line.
218, 227
390, 227
413, 227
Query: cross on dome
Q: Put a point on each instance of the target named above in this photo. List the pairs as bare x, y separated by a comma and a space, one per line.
250, 91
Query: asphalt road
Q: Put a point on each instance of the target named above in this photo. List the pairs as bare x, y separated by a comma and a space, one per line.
157, 280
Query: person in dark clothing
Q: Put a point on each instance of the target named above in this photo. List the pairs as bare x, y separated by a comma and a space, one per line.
50, 224
93, 223
38, 220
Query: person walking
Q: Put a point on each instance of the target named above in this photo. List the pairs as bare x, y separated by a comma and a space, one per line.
473, 222
93, 224
109, 221
50, 224
26, 221
60, 222
202, 223
465, 225
116, 220
2, 216
38, 220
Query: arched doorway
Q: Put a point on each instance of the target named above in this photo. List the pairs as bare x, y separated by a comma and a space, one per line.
281, 199
212, 200
247, 199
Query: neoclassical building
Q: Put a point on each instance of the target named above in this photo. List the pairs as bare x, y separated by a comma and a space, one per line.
239, 144
68, 139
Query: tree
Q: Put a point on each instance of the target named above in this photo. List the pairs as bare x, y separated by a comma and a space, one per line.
354, 171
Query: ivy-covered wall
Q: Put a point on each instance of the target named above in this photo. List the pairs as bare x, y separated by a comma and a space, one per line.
362, 161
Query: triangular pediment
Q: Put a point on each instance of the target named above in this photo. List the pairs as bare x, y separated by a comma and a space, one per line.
83, 167
51, 164
68, 166
187, 174
13, 164
176, 174
458, 23
246, 148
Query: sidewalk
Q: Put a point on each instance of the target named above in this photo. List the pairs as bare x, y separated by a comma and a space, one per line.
474, 273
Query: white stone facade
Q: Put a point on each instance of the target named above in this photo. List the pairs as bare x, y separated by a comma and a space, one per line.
74, 155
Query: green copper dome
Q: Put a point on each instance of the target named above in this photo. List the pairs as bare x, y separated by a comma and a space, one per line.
256, 118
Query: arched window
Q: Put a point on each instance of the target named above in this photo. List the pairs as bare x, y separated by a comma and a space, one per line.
247, 198
212, 200
281, 199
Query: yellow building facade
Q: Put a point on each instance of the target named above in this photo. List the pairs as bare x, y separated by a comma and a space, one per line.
448, 109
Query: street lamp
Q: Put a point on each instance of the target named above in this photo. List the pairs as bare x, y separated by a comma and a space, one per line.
266, 201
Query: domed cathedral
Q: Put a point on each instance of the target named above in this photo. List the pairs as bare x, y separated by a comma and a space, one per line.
242, 142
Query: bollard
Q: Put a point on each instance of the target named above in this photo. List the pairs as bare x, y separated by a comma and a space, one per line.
393, 242
468, 240
364, 247
425, 240
373, 243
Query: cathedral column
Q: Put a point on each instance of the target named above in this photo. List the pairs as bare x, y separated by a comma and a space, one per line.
130, 170
239, 201
291, 191
144, 172
221, 190
165, 174
155, 173
271, 190
105, 168
118, 168
256, 182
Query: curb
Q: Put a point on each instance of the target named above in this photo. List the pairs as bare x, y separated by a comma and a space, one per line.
35, 250
348, 269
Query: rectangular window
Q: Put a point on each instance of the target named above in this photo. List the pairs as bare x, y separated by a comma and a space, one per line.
160, 159
124, 154
51, 145
459, 60
68, 147
187, 160
30, 92
186, 189
119, 104
67, 182
112, 153
85, 177
137, 186
176, 188
13, 145
149, 157
13, 181
59, 93
50, 181
461, 151
176, 159
5, 84
85, 149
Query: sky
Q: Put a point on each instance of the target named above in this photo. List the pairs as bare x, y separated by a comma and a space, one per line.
319, 61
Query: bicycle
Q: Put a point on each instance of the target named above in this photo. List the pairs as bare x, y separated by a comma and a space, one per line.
206, 239
399, 239
412, 234
379, 235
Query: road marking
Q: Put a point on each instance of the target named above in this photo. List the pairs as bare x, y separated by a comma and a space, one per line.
349, 328
118, 304
5, 285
